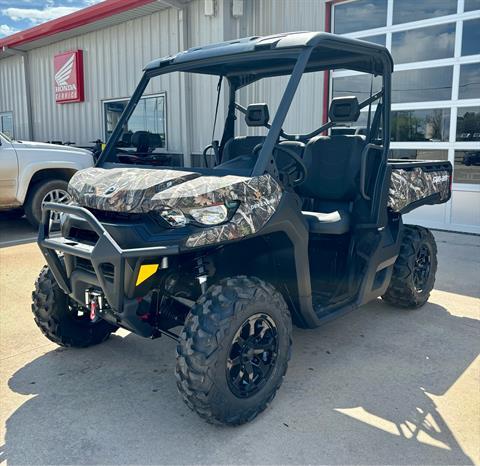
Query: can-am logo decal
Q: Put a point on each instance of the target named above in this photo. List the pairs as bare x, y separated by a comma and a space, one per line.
441, 178
68, 68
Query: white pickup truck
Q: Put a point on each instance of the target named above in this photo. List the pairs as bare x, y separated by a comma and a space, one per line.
33, 172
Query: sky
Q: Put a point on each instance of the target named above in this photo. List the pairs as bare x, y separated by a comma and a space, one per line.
17, 15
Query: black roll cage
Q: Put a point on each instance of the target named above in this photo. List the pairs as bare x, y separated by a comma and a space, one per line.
218, 65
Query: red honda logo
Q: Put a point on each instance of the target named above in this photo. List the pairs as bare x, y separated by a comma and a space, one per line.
68, 68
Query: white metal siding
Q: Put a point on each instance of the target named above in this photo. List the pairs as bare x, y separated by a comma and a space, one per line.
113, 61
12, 94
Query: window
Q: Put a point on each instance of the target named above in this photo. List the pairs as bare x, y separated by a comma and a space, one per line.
6, 123
380, 39
469, 87
471, 5
360, 15
405, 11
421, 125
422, 85
419, 154
148, 116
467, 167
423, 44
471, 37
358, 85
468, 124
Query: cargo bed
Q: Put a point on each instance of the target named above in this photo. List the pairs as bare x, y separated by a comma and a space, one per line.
414, 183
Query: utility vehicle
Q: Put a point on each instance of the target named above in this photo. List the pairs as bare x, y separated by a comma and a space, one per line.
284, 228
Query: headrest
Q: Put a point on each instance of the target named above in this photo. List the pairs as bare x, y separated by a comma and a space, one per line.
344, 109
257, 115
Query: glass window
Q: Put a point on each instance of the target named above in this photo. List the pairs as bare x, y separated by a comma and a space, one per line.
468, 124
423, 44
358, 85
148, 116
469, 87
359, 15
422, 85
471, 37
418, 154
6, 124
413, 10
467, 167
380, 39
471, 5
420, 125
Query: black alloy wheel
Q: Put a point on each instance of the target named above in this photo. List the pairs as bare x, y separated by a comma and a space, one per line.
252, 355
421, 271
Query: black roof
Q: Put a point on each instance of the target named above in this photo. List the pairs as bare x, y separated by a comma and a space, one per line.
276, 55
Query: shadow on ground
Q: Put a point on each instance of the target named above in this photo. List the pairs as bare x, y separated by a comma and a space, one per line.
15, 231
357, 391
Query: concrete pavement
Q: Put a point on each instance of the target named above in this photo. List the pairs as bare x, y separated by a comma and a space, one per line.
378, 386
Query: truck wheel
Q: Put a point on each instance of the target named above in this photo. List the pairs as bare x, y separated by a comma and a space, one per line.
62, 320
234, 350
414, 270
45, 191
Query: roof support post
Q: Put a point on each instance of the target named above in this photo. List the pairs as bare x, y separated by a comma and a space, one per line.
185, 92
26, 83
274, 132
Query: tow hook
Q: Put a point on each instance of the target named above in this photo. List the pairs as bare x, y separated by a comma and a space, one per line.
94, 301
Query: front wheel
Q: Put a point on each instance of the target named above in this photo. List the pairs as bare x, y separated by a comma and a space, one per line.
45, 191
414, 270
61, 320
234, 350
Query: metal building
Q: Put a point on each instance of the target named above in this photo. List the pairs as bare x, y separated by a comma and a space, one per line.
436, 88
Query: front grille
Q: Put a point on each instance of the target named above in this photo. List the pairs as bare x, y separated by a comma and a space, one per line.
82, 236
108, 216
84, 264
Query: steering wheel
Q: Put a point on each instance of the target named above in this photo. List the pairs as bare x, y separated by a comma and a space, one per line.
295, 167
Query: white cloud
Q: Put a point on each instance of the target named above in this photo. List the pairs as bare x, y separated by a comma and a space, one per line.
36, 16
6, 30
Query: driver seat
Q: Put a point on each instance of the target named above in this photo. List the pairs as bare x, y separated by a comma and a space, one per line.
332, 181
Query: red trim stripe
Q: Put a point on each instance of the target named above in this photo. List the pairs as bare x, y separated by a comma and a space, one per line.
80, 18
326, 75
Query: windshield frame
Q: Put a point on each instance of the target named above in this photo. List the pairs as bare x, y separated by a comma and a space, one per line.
301, 55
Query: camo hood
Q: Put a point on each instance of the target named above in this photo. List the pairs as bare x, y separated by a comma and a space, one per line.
136, 190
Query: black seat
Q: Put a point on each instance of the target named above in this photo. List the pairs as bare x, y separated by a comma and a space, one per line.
330, 223
241, 146
332, 181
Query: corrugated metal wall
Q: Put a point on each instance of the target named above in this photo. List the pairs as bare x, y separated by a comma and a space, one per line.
267, 17
12, 94
113, 62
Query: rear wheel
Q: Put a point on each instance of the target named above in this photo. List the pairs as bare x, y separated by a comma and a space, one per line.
234, 350
61, 319
414, 270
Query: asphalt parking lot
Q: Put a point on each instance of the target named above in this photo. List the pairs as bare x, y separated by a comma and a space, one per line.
378, 386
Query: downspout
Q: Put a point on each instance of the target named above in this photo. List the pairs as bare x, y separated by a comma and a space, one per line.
26, 81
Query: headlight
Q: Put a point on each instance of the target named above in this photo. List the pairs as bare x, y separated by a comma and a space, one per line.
174, 217
210, 215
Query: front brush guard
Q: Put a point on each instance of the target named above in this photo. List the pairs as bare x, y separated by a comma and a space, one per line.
105, 251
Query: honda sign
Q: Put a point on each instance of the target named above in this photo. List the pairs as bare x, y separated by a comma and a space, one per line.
68, 68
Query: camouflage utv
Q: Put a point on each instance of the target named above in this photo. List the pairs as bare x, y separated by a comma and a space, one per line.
282, 228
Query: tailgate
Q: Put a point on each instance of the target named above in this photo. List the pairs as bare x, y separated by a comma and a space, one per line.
415, 183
